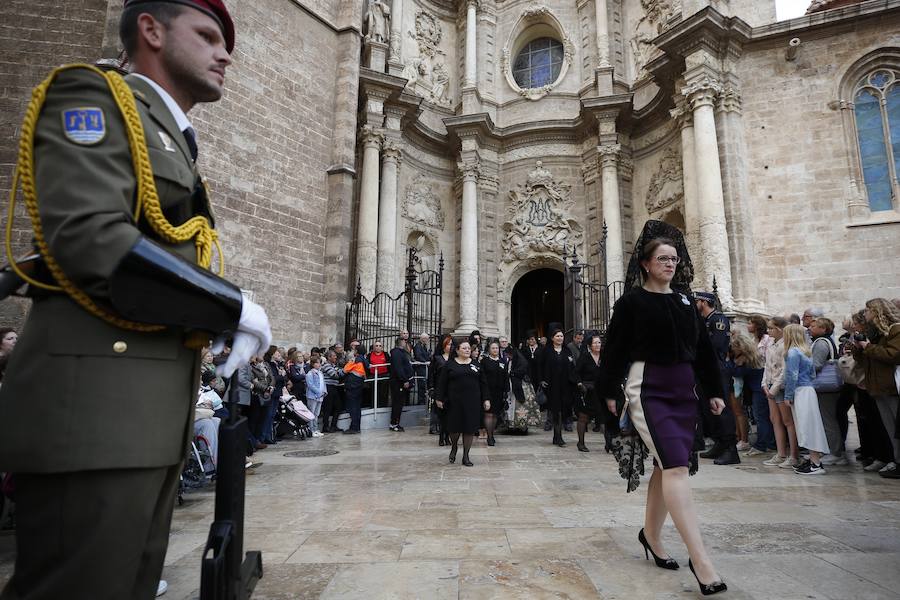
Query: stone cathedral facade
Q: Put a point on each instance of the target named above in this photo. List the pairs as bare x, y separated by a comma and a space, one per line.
503, 134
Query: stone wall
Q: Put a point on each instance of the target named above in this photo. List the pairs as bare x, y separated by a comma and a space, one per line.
35, 37
797, 167
265, 147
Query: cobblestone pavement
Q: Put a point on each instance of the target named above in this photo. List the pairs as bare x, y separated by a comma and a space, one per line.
388, 517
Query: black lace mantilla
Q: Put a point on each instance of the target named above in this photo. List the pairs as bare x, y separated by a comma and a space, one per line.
630, 452
684, 271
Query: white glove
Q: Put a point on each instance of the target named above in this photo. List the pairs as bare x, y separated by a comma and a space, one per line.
252, 338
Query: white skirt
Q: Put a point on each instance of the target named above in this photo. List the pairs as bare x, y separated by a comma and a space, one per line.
808, 420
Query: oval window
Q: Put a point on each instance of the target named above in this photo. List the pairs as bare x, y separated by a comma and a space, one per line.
538, 63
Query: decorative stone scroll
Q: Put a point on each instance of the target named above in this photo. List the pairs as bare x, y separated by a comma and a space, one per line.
421, 205
667, 184
540, 218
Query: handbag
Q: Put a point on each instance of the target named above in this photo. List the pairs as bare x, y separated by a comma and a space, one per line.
540, 397
828, 379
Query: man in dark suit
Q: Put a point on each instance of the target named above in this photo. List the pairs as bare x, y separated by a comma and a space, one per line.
401, 378
125, 228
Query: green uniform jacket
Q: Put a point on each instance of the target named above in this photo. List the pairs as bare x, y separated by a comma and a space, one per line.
74, 398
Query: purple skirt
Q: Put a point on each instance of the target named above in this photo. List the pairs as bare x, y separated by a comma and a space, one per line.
662, 405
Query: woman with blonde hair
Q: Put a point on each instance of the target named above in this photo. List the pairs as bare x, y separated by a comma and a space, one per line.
880, 358
748, 364
779, 412
799, 374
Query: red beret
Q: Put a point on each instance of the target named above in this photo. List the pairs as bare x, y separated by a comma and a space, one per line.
214, 8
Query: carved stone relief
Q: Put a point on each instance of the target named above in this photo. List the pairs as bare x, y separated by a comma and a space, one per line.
653, 22
423, 206
426, 74
540, 219
426, 250
667, 184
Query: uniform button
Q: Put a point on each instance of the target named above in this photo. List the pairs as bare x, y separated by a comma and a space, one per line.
120, 347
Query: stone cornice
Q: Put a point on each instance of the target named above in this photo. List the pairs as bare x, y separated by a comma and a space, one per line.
707, 28
838, 17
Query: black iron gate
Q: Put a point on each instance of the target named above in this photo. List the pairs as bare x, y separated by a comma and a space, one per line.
418, 308
589, 297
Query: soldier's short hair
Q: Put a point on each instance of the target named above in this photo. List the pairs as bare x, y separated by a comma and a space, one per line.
163, 12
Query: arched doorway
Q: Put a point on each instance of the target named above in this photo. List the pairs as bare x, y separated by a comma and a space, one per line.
537, 301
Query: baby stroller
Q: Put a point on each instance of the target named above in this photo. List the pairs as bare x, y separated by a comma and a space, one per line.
292, 418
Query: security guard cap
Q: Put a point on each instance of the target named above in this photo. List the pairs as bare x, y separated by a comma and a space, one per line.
214, 8
708, 296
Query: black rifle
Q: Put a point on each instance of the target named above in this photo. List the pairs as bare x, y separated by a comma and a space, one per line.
226, 574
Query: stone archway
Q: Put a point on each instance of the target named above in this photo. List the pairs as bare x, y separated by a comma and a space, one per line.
537, 300
508, 278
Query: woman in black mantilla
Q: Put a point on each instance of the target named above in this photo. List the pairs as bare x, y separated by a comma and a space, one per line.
586, 369
496, 375
656, 346
555, 367
462, 391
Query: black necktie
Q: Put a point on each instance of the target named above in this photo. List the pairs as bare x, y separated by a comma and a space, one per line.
191, 140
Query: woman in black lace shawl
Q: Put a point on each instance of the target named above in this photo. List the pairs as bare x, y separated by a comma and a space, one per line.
656, 349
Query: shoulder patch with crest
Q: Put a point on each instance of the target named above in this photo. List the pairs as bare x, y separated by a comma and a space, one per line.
84, 125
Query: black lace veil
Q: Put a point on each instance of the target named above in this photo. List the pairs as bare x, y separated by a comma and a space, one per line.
684, 272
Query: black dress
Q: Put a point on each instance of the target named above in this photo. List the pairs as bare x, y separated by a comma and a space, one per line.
587, 371
496, 373
462, 389
558, 370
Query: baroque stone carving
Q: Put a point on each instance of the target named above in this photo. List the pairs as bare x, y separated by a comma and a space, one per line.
423, 206
667, 184
540, 219
426, 73
377, 19
651, 24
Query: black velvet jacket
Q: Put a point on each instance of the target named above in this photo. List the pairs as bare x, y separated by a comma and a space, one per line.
664, 329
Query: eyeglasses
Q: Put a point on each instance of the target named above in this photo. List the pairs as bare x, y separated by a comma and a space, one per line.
668, 259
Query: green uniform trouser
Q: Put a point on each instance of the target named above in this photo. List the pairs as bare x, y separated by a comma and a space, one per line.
98, 535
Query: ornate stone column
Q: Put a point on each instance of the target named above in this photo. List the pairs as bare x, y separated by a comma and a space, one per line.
701, 95
386, 271
471, 44
612, 210
602, 20
367, 232
682, 114
395, 60
468, 247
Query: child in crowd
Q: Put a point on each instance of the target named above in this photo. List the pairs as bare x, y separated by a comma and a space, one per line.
799, 393
315, 393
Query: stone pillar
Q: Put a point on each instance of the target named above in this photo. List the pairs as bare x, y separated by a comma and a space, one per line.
689, 180
612, 211
468, 248
602, 20
471, 44
701, 95
736, 195
386, 271
367, 232
395, 60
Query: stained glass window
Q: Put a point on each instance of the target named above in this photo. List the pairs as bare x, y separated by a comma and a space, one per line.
538, 63
877, 110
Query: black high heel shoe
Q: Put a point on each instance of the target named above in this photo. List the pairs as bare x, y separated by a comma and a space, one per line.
582, 447
453, 455
662, 563
466, 462
708, 589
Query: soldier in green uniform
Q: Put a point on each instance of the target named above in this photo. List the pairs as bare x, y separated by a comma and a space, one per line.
96, 406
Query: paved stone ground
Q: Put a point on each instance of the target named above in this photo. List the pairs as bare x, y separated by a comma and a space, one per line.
388, 517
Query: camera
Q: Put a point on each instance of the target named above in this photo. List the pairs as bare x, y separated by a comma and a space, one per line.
859, 337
